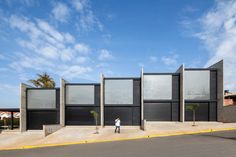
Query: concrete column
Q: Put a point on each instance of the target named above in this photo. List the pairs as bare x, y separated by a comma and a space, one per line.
142, 103
23, 117
220, 88
181, 90
102, 100
62, 102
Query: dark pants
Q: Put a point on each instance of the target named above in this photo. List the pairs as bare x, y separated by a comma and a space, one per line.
117, 129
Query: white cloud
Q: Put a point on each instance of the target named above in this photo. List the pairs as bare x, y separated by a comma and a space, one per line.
104, 55
75, 71
67, 54
82, 60
61, 12
32, 61
24, 25
69, 38
169, 60
82, 48
79, 4
44, 48
49, 52
50, 30
218, 33
87, 20
153, 59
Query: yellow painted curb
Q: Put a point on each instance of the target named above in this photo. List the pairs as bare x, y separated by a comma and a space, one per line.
119, 139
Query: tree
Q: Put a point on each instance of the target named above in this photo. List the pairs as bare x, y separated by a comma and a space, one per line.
193, 108
43, 81
95, 116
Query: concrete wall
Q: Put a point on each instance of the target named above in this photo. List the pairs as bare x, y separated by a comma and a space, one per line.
182, 104
101, 100
220, 89
229, 114
143, 122
62, 102
142, 113
23, 116
49, 129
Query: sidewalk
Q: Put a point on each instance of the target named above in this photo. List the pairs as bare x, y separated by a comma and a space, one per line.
81, 134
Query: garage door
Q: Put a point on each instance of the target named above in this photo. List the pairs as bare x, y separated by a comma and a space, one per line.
157, 111
36, 119
80, 115
202, 113
127, 115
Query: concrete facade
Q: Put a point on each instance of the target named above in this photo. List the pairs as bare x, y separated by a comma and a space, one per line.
220, 88
182, 102
62, 102
49, 129
101, 100
142, 114
223, 114
229, 114
23, 110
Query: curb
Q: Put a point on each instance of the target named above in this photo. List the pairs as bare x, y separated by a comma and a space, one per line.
119, 139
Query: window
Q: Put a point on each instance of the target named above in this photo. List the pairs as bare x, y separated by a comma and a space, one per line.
80, 94
119, 91
41, 99
157, 87
197, 85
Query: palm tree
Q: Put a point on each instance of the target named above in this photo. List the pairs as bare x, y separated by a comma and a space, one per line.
43, 81
193, 108
95, 116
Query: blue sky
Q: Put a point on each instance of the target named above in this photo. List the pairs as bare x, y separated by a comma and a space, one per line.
79, 39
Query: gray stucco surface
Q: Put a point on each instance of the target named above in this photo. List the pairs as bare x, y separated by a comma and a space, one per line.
220, 89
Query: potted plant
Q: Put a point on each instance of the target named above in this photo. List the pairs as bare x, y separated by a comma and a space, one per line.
193, 108
95, 116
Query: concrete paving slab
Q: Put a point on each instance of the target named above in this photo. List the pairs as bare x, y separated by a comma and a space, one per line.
70, 134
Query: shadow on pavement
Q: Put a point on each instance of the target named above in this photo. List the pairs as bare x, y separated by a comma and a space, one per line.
229, 136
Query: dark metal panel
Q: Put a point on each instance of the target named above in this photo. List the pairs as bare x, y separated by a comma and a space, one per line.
175, 111
37, 118
58, 104
175, 87
213, 85
136, 92
136, 118
97, 95
202, 113
10, 109
213, 111
80, 115
124, 113
157, 111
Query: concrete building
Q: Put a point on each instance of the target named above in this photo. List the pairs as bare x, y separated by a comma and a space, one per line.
150, 97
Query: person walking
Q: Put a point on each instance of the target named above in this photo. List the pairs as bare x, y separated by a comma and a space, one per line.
117, 125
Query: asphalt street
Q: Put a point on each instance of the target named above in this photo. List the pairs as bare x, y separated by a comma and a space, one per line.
218, 144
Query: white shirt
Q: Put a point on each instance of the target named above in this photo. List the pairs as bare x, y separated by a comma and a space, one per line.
117, 122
